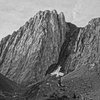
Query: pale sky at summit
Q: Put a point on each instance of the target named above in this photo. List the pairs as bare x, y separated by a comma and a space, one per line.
14, 13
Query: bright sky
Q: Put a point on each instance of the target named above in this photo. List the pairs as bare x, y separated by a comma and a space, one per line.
14, 13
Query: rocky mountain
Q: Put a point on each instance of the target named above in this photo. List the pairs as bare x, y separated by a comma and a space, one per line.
51, 59
27, 53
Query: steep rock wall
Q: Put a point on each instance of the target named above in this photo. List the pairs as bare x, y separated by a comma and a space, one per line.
28, 52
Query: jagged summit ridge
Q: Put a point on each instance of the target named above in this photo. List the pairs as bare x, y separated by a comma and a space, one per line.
28, 52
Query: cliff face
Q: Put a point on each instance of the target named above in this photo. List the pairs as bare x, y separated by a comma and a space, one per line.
28, 55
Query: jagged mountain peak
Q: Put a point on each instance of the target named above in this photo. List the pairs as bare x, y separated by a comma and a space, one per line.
33, 47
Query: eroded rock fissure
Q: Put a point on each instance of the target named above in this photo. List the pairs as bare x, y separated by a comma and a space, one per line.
65, 50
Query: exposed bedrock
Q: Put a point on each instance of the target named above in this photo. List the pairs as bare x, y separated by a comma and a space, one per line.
47, 41
29, 51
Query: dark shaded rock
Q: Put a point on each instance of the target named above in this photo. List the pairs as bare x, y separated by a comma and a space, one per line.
6, 83
51, 68
8, 88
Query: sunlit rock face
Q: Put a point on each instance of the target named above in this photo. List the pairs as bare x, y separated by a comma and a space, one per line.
27, 53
